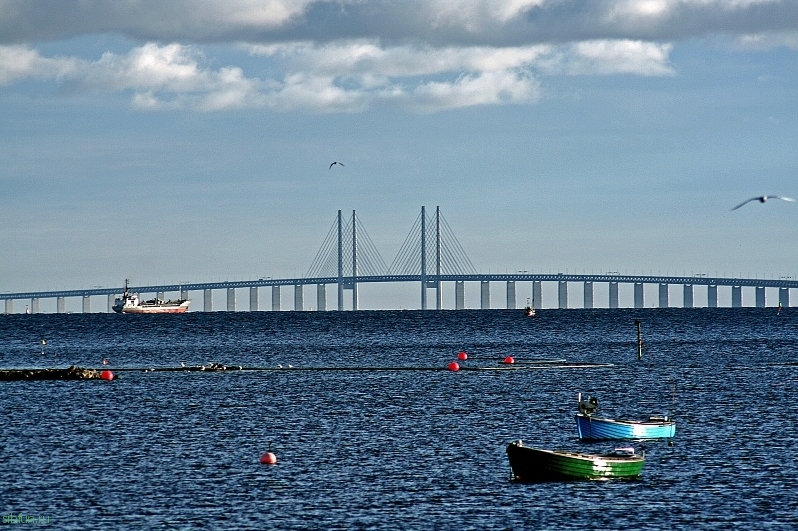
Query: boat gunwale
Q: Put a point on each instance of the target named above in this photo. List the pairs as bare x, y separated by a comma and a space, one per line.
630, 422
633, 458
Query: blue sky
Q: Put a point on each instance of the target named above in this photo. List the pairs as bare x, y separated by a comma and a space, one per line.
190, 141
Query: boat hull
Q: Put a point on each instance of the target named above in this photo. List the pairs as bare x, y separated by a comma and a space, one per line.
156, 309
537, 465
594, 428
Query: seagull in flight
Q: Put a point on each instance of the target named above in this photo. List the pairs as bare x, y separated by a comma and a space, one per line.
764, 198
334, 163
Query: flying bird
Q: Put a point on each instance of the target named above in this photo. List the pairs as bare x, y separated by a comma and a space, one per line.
764, 198
334, 163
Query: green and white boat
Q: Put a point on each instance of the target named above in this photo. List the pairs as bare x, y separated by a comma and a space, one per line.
534, 464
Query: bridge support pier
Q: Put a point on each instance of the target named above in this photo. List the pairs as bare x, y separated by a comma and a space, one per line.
784, 297
60, 305
588, 295
639, 301
183, 294
275, 298
111, 303
321, 297
562, 294
86, 304
613, 295
34, 305
207, 300
231, 299
511, 294
160, 295
760, 297
687, 298
537, 294
663, 295
737, 297
712, 296
484, 298
9, 306
253, 298
459, 295
299, 298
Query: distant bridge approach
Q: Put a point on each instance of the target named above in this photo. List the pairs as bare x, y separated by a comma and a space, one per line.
430, 256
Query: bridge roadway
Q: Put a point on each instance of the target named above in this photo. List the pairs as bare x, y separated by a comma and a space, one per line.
784, 284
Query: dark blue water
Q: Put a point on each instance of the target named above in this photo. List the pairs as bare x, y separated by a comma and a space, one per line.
396, 448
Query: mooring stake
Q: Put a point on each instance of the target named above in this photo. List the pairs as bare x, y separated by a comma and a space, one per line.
639, 342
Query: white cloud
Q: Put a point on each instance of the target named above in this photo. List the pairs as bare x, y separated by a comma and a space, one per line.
337, 77
259, 13
316, 93
20, 62
347, 55
620, 57
368, 57
630, 10
475, 15
437, 22
172, 68
160, 77
768, 41
490, 88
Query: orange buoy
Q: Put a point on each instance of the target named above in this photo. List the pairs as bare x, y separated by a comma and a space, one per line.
454, 366
268, 459
107, 375
462, 356
509, 360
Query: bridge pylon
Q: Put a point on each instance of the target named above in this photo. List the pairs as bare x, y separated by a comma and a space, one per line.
347, 252
419, 256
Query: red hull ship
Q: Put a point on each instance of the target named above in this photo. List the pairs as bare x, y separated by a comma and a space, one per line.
131, 303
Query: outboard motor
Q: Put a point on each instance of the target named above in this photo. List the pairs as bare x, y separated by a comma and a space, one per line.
589, 407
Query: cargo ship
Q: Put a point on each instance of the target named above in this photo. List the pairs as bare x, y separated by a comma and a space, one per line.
131, 303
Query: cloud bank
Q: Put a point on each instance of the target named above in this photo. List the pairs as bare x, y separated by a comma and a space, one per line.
346, 56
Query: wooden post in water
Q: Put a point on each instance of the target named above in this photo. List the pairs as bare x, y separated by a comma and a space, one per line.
639, 342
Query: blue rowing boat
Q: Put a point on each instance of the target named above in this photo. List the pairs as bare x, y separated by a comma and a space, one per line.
591, 427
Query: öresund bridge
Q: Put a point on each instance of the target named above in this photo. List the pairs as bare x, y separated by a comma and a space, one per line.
430, 256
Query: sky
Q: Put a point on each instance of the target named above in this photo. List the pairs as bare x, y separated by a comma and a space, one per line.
190, 141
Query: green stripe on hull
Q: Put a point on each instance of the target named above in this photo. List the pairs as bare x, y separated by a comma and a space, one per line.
595, 467
531, 464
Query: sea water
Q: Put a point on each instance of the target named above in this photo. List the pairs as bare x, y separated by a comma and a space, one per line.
371, 431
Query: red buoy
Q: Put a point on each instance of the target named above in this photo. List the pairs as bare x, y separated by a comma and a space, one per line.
268, 459
462, 356
107, 375
509, 360
454, 366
